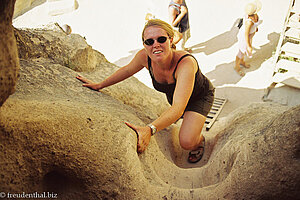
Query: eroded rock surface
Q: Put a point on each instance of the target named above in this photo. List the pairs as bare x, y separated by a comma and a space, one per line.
9, 62
58, 136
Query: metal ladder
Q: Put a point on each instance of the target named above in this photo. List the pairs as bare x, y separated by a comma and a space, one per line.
286, 61
214, 112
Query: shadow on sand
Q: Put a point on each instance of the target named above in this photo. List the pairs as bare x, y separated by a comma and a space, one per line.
125, 60
222, 41
223, 72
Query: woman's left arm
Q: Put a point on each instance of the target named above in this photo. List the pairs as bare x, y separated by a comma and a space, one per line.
183, 12
248, 26
185, 76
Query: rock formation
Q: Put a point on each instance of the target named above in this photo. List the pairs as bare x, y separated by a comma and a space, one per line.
9, 62
59, 137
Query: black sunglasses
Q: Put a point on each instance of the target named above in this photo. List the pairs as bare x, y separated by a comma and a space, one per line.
160, 39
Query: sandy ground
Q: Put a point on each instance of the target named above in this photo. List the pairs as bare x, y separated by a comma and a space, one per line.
114, 28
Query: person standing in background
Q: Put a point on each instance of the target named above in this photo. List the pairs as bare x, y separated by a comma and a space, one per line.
179, 19
245, 35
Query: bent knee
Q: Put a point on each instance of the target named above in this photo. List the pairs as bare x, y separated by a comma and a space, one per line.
188, 143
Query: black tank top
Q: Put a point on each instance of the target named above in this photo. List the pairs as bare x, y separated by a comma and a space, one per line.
201, 83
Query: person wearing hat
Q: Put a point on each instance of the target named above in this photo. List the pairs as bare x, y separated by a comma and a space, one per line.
246, 34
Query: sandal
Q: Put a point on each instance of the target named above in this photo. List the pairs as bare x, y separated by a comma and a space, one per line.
244, 64
247, 65
240, 72
196, 155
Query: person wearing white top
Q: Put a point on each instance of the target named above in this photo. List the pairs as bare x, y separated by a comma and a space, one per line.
245, 35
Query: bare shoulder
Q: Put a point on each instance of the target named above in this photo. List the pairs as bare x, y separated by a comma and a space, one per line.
186, 62
180, 53
141, 57
142, 53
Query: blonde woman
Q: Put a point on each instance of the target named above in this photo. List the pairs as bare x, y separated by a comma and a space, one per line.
245, 35
175, 73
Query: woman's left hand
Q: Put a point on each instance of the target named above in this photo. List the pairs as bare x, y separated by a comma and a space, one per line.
143, 136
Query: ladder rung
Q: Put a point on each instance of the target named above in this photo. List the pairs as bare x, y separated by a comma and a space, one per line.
218, 105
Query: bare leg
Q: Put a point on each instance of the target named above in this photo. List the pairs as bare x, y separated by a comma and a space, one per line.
190, 132
237, 67
190, 137
184, 40
242, 62
177, 37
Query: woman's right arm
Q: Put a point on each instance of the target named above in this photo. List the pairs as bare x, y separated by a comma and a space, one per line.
137, 63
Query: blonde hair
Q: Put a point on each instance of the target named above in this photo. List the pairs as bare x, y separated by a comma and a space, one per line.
253, 7
161, 24
250, 9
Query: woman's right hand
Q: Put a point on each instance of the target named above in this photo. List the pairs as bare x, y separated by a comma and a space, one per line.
88, 83
143, 135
